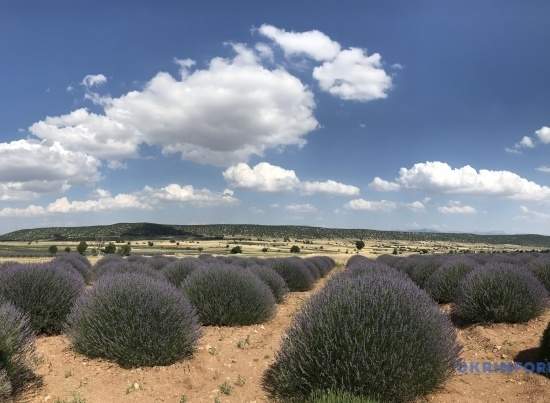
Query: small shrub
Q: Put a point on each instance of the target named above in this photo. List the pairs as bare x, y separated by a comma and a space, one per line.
134, 320
125, 250
52, 249
500, 292
178, 270
294, 249
236, 249
274, 281
374, 336
229, 295
359, 244
68, 249
44, 292
17, 354
295, 273
443, 285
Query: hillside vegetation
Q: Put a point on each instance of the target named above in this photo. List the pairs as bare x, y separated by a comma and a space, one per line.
217, 231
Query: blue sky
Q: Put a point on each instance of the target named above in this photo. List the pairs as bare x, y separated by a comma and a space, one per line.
401, 115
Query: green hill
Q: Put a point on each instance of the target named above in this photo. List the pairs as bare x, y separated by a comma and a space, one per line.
216, 231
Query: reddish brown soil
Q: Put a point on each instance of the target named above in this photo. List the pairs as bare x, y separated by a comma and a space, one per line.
239, 355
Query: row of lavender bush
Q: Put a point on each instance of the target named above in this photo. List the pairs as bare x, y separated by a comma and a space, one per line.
376, 333
137, 311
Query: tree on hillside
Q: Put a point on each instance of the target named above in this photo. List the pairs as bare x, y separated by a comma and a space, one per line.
360, 244
236, 249
52, 249
109, 249
125, 250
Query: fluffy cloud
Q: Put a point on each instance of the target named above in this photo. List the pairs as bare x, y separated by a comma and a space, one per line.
28, 168
456, 207
64, 206
544, 134
416, 206
525, 142
146, 199
440, 177
532, 214
368, 205
265, 177
301, 208
188, 194
220, 115
313, 44
353, 75
349, 74
97, 135
92, 80
381, 185
329, 187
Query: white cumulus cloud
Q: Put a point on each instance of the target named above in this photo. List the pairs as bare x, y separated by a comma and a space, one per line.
219, 115
29, 168
381, 185
189, 194
544, 134
456, 207
370, 205
440, 177
353, 75
93, 80
313, 44
301, 208
265, 177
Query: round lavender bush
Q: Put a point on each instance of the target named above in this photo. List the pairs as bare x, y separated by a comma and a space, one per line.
296, 275
178, 270
227, 295
124, 266
17, 353
420, 268
134, 320
323, 263
77, 262
374, 336
270, 277
443, 285
45, 292
500, 292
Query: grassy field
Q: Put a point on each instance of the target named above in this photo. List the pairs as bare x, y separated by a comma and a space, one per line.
340, 249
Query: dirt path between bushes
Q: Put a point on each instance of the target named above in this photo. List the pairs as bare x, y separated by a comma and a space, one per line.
237, 357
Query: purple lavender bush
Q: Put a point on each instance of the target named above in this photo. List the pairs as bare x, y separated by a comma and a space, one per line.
293, 270
45, 292
77, 262
227, 295
134, 320
443, 285
17, 353
541, 269
123, 266
374, 336
270, 277
178, 270
500, 292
